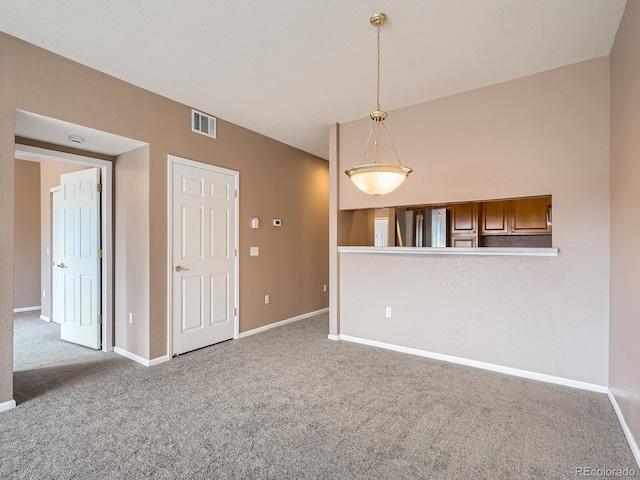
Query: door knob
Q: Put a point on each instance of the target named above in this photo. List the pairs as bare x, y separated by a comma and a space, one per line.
61, 265
181, 269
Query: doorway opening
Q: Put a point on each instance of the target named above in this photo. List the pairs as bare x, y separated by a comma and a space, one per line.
80, 297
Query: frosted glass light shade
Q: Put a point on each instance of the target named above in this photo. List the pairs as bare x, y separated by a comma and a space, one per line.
378, 179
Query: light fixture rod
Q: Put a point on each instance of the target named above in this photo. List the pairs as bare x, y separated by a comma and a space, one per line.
378, 85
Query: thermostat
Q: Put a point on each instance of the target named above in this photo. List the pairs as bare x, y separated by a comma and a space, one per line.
277, 222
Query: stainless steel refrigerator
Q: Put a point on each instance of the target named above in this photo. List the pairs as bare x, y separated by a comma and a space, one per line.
422, 228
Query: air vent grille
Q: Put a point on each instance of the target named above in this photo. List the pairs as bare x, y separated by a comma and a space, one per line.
203, 123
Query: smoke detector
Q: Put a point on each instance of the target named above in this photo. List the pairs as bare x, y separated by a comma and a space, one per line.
76, 139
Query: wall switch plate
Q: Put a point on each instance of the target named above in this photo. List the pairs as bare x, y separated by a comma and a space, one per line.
254, 251
325, 288
387, 312
44, 293
266, 299
47, 250
130, 318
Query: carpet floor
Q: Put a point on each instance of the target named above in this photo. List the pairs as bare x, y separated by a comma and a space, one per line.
290, 404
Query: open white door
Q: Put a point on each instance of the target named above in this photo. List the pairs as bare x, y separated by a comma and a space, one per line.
78, 267
203, 255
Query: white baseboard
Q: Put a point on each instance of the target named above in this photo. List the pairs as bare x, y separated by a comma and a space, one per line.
333, 337
477, 364
4, 406
46, 319
158, 360
282, 322
139, 359
26, 309
625, 428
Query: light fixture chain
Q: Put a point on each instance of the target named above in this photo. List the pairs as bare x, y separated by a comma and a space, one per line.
393, 147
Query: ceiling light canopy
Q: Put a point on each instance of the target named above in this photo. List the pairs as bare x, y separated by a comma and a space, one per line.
378, 178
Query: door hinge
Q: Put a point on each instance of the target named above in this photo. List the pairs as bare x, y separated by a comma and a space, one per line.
99, 187
100, 253
235, 194
235, 312
99, 319
235, 252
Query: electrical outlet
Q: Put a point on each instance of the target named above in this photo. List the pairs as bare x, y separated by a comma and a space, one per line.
325, 288
266, 299
130, 318
387, 312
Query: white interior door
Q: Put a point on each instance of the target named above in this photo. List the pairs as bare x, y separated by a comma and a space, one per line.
203, 255
79, 265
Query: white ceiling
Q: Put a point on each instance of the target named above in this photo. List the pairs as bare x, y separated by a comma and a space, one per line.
50, 130
288, 68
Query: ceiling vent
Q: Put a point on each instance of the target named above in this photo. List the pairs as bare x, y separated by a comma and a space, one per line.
203, 123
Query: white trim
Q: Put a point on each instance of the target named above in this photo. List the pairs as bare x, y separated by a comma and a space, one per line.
4, 406
625, 428
158, 360
542, 377
139, 359
45, 318
494, 251
27, 152
282, 322
171, 160
333, 337
26, 309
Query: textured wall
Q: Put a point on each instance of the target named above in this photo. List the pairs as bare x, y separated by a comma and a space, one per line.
624, 379
26, 278
547, 134
276, 181
131, 266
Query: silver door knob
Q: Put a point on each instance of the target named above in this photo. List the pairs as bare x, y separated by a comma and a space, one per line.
181, 269
61, 265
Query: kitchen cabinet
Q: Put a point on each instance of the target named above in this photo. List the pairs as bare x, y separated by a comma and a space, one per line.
531, 215
524, 216
464, 225
495, 218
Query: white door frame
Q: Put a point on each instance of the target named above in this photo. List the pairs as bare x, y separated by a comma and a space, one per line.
172, 159
26, 152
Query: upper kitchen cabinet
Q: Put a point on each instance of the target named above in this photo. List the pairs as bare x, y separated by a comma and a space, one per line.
495, 218
523, 216
531, 215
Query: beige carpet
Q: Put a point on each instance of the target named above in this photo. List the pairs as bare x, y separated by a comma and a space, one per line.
290, 404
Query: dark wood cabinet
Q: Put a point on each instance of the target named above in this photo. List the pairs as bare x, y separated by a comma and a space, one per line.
530, 215
464, 225
495, 218
462, 240
524, 216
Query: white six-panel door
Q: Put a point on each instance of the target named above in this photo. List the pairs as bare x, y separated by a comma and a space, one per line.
77, 270
203, 255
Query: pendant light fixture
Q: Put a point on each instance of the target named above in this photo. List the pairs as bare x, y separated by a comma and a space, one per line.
378, 178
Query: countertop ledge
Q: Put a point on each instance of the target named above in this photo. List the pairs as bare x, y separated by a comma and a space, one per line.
514, 252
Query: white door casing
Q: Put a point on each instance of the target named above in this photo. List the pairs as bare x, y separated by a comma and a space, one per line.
57, 274
79, 210
203, 255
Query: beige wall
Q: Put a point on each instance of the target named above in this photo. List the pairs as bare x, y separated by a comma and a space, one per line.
276, 181
26, 279
624, 359
546, 134
50, 171
131, 270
